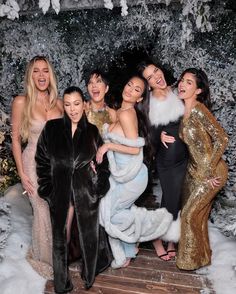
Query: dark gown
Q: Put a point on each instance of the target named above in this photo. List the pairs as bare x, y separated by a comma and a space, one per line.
65, 174
171, 163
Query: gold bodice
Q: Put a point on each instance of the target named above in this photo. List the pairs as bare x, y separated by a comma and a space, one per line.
206, 141
98, 117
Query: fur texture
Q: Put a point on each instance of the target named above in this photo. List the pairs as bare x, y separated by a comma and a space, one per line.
65, 175
164, 111
124, 221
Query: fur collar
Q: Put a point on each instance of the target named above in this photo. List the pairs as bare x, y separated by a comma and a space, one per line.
128, 172
164, 111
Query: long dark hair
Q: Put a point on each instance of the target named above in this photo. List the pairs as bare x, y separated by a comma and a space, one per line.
202, 83
141, 109
170, 80
145, 63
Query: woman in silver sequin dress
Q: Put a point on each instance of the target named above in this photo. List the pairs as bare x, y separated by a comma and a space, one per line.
29, 115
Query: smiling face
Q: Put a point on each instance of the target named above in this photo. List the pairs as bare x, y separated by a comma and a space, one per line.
74, 106
155, 77
41, 75
187, 87
97, 88
133, 90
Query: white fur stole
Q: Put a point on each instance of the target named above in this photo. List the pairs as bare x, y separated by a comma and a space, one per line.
164, 111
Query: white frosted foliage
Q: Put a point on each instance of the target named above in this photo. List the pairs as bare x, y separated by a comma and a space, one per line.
108, 4
56, 5
44, 5
10, 9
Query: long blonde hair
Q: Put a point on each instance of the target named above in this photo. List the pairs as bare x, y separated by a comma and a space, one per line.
31, 94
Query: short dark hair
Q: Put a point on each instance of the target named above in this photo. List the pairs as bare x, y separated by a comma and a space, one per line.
74, 89
98, 73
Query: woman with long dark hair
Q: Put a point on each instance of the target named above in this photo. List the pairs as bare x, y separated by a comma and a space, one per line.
206, 172
73, 184
165, 111
125, 223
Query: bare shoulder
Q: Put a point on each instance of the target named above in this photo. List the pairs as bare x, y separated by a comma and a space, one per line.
128, 122
19, 100
112, 113
127, 115
60, 104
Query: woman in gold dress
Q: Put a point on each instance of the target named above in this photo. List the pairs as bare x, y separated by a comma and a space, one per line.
97, 112
206, 172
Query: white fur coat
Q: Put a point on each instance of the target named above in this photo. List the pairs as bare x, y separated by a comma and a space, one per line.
167, 110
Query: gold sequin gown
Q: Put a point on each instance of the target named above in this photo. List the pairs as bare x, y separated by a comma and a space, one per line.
98, 117
206, 141
40, 255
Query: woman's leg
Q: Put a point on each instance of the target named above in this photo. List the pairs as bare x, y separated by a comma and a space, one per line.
69, 220
171, 249
130, 250
160, 250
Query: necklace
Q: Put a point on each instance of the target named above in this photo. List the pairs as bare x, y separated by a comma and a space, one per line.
122, 108
98, 110
42, 101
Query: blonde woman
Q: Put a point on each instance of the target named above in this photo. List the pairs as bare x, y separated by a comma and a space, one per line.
30, 112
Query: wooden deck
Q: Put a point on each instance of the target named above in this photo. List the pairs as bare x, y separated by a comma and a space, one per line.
146, 274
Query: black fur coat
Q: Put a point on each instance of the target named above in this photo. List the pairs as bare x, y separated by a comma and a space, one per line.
64, 175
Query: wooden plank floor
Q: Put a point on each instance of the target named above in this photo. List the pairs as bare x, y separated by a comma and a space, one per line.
146, 274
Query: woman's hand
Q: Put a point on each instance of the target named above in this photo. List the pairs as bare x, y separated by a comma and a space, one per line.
101, 151
27, 185
214, 182
166, 139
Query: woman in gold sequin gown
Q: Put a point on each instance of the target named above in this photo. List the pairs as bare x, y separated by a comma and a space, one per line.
29, 115
97, 112
206, 173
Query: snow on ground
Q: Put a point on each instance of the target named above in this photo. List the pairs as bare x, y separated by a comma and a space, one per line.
18, 277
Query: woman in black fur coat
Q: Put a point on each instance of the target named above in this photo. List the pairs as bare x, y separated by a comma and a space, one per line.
72, 183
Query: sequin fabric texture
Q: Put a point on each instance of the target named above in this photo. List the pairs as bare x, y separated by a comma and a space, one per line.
206, 141
40, 254
98, 117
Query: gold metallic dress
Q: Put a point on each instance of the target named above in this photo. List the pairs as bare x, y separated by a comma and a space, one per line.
206, 141
98, 117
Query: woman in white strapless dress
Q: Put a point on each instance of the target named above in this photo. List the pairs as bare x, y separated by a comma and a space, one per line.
29, 115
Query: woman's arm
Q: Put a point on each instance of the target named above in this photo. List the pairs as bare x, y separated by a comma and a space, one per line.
128, 123
218, 136
60, 105
18, 106
166, 139
112, 114
219, 142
